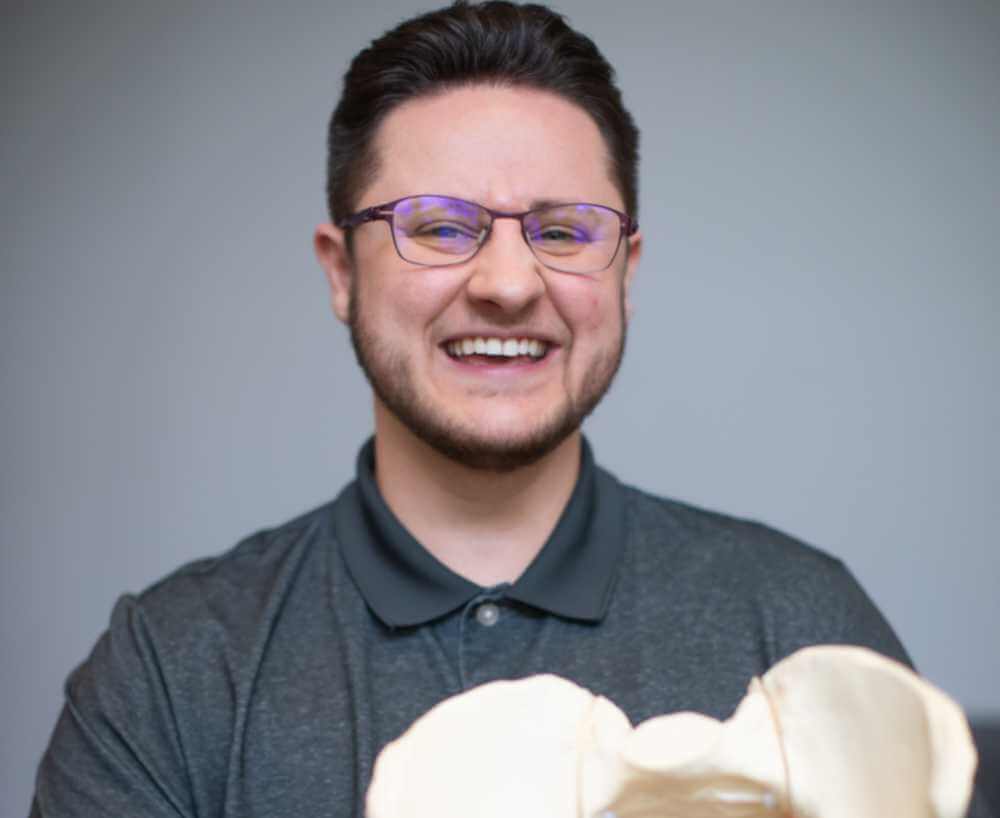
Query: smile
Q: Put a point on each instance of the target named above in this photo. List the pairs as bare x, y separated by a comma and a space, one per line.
500, 348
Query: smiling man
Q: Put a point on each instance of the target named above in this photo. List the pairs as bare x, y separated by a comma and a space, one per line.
482, 242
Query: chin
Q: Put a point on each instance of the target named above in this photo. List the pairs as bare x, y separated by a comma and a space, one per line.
503, 445
480, 446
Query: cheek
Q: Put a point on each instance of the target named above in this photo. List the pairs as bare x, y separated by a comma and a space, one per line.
406, 298
425, 293
597, 311
407, 294
387, 286
591, 309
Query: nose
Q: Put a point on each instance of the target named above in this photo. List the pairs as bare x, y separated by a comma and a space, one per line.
505, 272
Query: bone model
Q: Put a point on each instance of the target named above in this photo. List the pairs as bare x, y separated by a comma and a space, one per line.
830, 732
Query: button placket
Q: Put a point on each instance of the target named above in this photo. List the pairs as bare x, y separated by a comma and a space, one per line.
485, 609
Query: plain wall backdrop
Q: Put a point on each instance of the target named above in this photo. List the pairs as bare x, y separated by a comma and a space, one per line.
815, 343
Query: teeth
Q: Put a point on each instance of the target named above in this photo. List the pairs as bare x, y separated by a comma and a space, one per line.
497, 347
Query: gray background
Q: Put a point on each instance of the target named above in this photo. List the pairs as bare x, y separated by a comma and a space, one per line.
815, 343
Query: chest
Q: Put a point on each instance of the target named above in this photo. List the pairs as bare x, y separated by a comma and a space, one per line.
306, 735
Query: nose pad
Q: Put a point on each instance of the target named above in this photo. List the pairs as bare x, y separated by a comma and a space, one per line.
505, 271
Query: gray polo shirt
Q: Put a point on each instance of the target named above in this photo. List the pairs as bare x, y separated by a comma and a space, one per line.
263, 682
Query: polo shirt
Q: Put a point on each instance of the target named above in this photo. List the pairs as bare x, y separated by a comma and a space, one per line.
264, 682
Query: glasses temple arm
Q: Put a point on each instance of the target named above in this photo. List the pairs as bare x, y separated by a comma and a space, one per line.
369, 214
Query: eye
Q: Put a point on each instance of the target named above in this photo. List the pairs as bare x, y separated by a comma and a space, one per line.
444, 231
559, 234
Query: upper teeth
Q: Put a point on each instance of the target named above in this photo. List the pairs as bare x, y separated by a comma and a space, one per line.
506, 347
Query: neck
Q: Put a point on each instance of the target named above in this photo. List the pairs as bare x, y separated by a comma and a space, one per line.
485, 526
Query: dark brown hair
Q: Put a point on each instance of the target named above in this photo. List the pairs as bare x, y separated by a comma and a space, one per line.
495, 42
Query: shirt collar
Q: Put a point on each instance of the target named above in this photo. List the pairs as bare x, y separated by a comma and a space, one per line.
572, 576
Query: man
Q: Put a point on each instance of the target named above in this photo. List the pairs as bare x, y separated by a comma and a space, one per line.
482, 184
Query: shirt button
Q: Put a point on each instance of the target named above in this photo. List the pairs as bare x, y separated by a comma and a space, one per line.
487, 614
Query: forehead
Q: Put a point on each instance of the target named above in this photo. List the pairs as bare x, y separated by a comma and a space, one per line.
501, 146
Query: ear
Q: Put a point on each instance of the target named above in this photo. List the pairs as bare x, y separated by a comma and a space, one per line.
330, 243
634, 248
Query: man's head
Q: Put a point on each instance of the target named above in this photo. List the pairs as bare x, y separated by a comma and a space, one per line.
506, 107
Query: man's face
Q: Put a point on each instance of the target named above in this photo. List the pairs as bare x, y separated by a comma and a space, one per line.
507, 149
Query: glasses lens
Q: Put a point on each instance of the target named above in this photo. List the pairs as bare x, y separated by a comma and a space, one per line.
438, 229
576, 238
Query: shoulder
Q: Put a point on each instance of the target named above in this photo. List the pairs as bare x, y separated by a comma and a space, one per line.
241, 588
794, 593
254, 561
210, 618
667, 526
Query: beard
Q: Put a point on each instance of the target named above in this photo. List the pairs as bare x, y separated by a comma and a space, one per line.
392, 379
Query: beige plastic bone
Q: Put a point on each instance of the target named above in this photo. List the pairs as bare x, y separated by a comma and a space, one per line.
865, 737
830, 732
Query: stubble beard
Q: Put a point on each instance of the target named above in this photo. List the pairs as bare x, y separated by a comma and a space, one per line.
391, 377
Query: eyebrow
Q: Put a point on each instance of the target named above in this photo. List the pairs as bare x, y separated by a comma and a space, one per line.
537, 203
534, 204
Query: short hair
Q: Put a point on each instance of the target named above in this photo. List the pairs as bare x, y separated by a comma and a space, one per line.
493, 43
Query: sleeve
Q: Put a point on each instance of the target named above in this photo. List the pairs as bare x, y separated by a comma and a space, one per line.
116, 748
831, 607
978, 807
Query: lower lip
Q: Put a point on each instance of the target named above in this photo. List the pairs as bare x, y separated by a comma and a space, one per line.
516, 368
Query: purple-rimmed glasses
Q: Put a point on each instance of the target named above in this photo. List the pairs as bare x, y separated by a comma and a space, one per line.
437, 231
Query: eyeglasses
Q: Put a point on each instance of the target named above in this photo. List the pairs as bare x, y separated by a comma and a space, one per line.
438, 231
